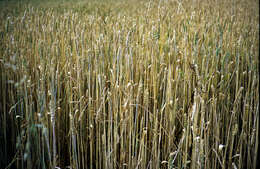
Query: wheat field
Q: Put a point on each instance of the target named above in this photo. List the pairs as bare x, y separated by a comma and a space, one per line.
137, 84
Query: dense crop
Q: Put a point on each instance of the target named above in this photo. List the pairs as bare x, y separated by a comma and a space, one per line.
136, 84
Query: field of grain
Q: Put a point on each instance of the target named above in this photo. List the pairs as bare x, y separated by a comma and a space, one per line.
107, 84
